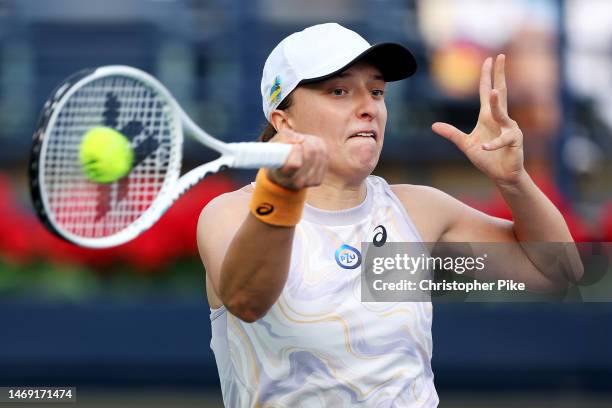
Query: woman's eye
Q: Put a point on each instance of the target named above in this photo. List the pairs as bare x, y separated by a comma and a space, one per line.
378, 92
338, 91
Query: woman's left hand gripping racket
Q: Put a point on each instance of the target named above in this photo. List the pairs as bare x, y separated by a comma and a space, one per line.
133, 103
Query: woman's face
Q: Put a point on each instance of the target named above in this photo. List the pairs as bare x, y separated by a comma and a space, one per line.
348, 111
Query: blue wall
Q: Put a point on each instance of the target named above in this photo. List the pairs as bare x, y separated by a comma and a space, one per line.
476, 346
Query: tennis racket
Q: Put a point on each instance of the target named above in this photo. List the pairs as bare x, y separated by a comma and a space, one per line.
137, 105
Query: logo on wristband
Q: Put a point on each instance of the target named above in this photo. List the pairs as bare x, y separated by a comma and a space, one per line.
264, 209
348, 257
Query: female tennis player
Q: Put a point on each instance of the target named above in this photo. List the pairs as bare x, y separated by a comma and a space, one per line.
282, 255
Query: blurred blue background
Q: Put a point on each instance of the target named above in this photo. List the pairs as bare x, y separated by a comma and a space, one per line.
130, 325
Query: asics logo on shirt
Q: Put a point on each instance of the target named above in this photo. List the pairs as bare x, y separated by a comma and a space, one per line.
380, 237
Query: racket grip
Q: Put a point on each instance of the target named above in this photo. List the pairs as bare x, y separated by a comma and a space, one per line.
253, 155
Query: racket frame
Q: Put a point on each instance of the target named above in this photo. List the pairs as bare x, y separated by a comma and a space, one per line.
248, 155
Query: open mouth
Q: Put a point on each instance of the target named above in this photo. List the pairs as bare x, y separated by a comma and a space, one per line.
364, 133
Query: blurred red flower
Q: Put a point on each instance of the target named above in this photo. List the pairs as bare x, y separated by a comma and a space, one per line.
606, 222
497, 207
24, 239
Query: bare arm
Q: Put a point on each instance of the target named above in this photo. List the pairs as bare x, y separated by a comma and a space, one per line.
442, 218
538, 221
495, 146
247, 261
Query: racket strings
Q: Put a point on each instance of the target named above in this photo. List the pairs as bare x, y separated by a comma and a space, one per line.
87, 209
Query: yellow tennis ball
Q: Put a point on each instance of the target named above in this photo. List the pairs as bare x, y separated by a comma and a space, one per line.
105, 155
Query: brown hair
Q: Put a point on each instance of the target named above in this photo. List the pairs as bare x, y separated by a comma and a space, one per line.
269, 131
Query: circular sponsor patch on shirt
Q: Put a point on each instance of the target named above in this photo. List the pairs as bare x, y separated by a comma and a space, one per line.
348, 257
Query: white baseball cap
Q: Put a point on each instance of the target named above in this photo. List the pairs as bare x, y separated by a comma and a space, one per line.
322, 51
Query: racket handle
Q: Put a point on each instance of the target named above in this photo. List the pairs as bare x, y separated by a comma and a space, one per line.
253, 155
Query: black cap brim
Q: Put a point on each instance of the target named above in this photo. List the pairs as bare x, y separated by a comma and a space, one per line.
393, 60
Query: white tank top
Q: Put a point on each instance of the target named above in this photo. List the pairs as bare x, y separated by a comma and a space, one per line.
319, 345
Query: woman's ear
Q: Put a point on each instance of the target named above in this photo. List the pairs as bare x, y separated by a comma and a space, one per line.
279, 119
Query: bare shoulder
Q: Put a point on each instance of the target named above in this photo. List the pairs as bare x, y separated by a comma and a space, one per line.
228, 203
231, 198
221, 217
431, 210
417, 197
415, 192
219, 221
224, 214
440, 216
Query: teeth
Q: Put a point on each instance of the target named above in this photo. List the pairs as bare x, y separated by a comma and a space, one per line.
366, 134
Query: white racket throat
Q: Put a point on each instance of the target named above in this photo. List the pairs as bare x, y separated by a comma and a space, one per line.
100, 216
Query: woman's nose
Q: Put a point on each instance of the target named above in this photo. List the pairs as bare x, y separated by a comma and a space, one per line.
367, 107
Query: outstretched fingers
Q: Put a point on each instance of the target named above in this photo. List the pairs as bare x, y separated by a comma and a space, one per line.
499, 113
485, 83
499, 81
451, 133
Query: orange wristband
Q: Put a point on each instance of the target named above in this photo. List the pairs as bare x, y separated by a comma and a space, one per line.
274, 204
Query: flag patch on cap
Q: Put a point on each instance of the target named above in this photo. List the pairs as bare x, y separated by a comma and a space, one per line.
275, 91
